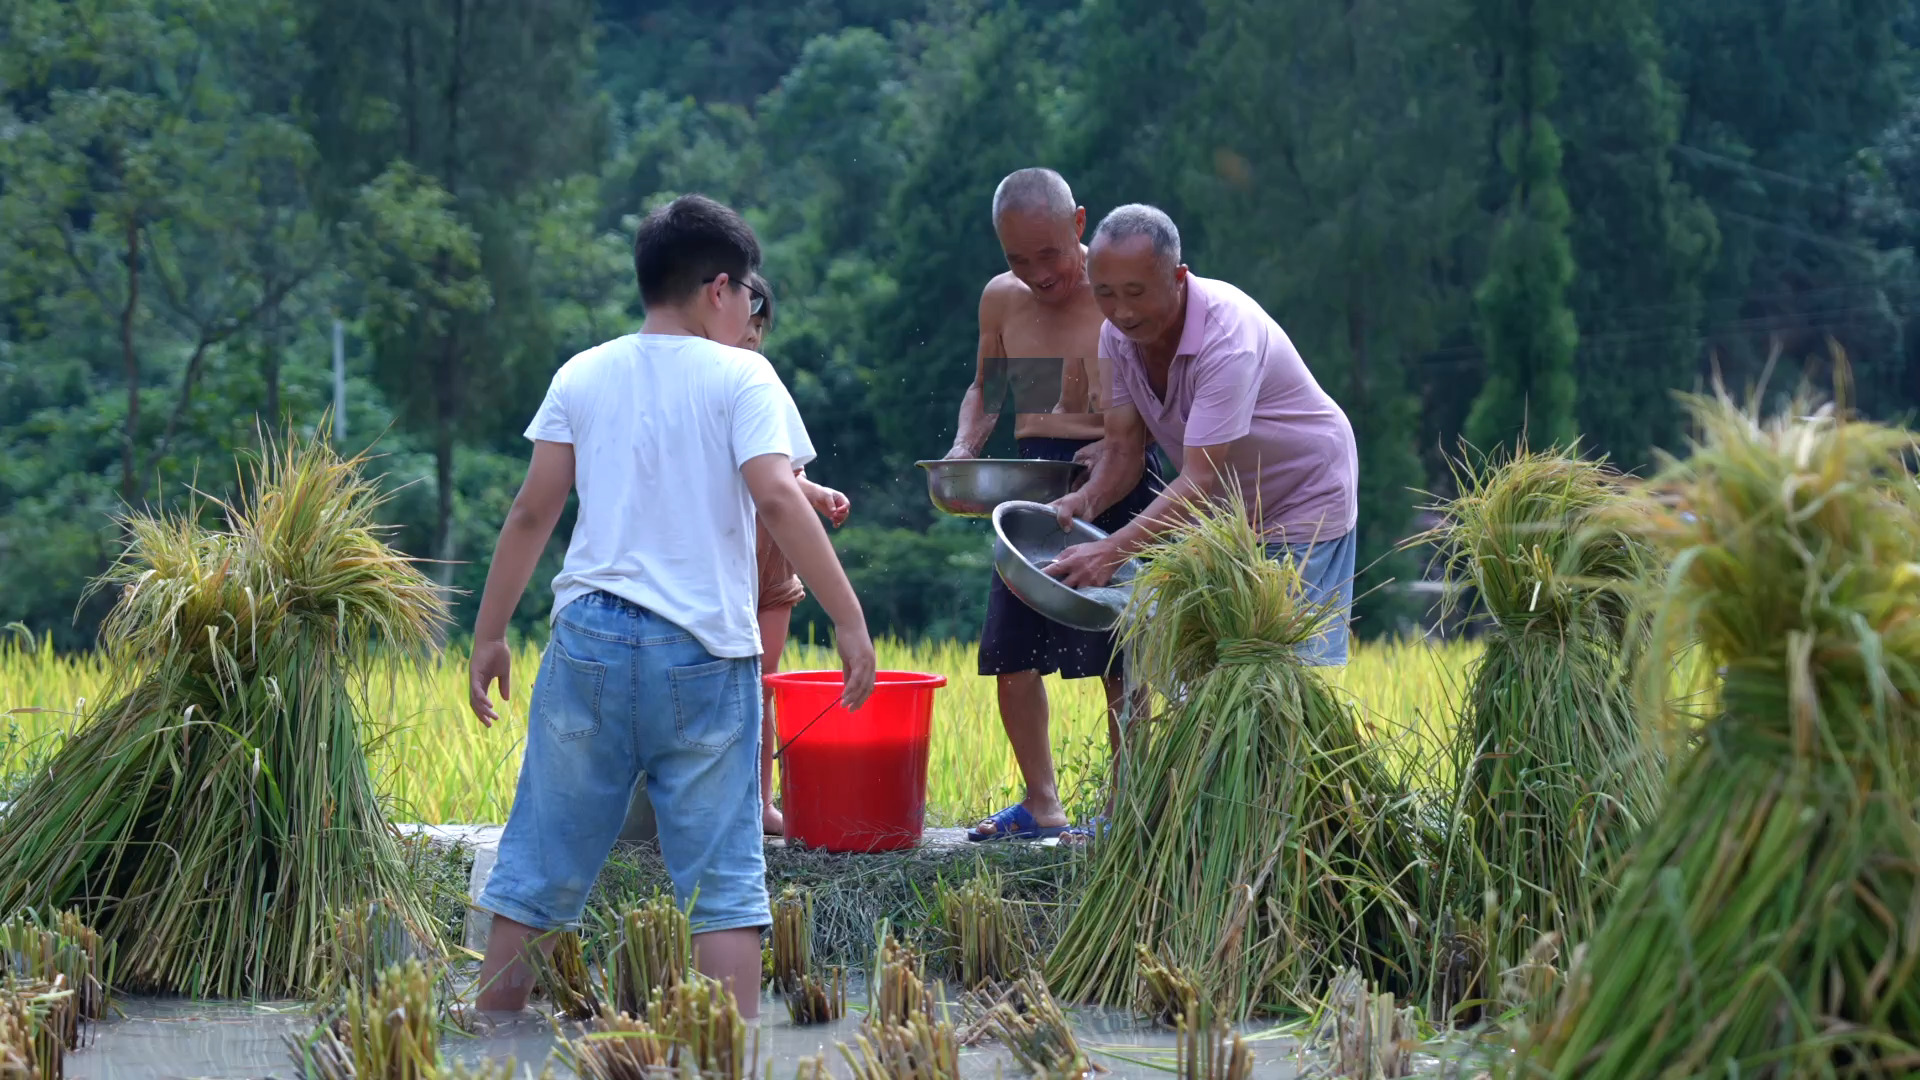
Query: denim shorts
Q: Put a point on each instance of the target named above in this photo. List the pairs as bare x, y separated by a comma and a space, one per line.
1326, 569
623, 692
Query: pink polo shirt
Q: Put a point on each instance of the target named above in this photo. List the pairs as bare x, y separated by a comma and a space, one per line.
1236, 379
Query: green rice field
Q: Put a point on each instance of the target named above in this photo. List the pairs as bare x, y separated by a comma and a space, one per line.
439, 765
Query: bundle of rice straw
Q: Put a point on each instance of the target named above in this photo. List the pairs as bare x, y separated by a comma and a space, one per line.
1257, 842
215, 810
1555, 767
39, 1022
1767, 923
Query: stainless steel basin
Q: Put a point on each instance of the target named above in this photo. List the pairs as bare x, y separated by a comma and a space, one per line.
972, 487
1026, 539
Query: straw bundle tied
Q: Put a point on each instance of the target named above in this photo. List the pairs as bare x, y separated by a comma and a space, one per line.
691, 1028
650, 947
1556, 769
216, 810
987, 940
39, 1023
1767, 923
1258, 842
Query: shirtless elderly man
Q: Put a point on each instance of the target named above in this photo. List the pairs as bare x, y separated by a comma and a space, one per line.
1038, 318
1202, 369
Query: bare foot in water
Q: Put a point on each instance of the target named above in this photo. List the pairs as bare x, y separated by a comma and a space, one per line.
771, 822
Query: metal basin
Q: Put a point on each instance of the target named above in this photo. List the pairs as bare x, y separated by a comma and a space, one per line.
1026, 539
972, 487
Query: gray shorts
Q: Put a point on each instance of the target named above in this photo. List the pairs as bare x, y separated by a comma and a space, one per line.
1326, 569
621, 692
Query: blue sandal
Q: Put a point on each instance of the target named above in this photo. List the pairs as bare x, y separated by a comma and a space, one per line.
1098, 827
1013, 823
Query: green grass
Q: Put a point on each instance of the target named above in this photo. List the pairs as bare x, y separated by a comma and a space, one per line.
438, 764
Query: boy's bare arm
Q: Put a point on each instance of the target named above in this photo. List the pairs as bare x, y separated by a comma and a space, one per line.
788, 518
529, 525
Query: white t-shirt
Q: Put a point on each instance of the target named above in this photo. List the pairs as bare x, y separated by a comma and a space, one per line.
660, 425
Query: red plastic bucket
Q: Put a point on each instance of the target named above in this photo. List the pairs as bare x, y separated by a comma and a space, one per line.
854, 781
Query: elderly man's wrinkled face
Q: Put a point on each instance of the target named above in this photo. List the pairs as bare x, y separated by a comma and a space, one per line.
1043, 251
1138, 291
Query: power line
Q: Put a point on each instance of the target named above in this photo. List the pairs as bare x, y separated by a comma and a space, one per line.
1736, 165
1462, 355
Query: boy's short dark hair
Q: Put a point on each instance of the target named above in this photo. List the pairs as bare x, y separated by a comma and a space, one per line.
759, 285
689, 242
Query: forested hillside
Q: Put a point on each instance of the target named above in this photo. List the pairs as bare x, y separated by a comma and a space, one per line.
1471, 215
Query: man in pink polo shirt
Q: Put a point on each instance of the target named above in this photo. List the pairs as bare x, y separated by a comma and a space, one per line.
1203, 370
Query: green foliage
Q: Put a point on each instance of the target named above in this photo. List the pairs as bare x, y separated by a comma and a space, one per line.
458, 183
1526, 329
1336, 208
1644, 242
988, 121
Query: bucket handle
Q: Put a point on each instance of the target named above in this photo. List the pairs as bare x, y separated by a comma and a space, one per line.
831, 705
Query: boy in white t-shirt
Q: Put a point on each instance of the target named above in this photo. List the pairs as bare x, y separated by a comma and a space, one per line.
674, 442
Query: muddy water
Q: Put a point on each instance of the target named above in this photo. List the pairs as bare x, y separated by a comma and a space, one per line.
176, 1040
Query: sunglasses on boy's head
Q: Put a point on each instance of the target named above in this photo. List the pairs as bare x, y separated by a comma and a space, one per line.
753, 305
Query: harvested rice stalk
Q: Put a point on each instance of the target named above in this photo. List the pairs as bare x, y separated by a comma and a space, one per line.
818, 1000
38, 1024
67, 949
813, 1068
898, 990
1258, 840
1555, 766
367, 941
1763, 925
619, 1048
1459, 971
1166, 993
1210, 1049
563, 979
389, 1031
919, 1049
792, 938
983, 934
214, 809
652, 950
1032, 1027
701, 1021
1359, 1035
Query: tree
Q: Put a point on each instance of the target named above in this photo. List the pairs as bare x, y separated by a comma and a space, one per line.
1123, 121
992, 121
1527, 332
1643, 241
435, 117
1777, 99
1338, 187
133, 185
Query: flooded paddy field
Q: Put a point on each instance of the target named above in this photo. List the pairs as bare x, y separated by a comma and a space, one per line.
173, 1039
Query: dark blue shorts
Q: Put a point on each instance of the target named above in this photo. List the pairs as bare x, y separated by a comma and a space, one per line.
1018, 638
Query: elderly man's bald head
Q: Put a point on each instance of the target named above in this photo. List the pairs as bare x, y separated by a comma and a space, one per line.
1039, 229
1041, 192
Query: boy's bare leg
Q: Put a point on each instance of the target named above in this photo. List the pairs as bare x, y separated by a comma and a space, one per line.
505, 980
729, 957
773, 642
732, 959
